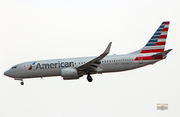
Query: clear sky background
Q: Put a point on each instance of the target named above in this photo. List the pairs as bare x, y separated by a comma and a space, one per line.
50, 29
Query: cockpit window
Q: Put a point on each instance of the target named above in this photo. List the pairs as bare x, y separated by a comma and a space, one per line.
14, 67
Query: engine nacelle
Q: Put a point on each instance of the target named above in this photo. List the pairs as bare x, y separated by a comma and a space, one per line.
69, 73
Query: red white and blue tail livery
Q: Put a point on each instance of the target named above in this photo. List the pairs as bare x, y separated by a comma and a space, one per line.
155, 45
158, 40
74, 68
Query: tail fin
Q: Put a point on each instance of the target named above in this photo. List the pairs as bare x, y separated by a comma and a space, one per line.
157, 42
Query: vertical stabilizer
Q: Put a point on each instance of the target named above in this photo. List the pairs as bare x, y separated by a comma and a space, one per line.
157, 42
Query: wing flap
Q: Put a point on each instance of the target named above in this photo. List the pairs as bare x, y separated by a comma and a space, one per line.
92, 65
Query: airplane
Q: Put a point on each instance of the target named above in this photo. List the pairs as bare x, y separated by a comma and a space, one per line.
74, 68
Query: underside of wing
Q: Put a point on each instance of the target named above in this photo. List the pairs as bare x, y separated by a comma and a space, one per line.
93, 66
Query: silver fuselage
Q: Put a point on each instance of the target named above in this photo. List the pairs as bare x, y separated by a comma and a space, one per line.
45, 68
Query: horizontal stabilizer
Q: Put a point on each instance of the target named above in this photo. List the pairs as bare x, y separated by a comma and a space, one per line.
162, 53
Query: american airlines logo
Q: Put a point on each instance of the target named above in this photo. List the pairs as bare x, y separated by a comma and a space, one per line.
52, 65
31, 66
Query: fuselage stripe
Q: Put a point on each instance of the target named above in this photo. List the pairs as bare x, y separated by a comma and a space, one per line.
148, 58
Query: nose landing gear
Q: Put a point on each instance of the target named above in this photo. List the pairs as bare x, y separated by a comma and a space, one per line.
22, 82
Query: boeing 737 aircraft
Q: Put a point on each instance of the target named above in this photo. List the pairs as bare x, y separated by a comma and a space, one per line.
74, 68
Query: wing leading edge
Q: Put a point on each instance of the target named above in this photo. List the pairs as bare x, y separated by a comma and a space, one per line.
93, 66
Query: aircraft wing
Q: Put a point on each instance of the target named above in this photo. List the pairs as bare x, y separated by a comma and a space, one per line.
93, 65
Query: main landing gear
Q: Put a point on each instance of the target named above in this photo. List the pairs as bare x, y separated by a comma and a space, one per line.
22, 82
89, 78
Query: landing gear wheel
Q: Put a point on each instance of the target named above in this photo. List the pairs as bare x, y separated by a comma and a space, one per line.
22, 83
89, 78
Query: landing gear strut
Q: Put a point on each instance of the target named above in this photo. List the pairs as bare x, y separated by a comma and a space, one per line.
22, 83
89, 78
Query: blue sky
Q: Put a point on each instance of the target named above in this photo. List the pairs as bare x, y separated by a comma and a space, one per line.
35, 30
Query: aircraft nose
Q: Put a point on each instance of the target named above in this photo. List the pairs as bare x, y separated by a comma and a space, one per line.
7, 73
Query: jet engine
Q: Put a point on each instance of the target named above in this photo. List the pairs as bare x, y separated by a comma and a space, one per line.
69, 73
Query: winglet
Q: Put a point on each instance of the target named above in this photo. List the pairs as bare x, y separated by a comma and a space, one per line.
107, 49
